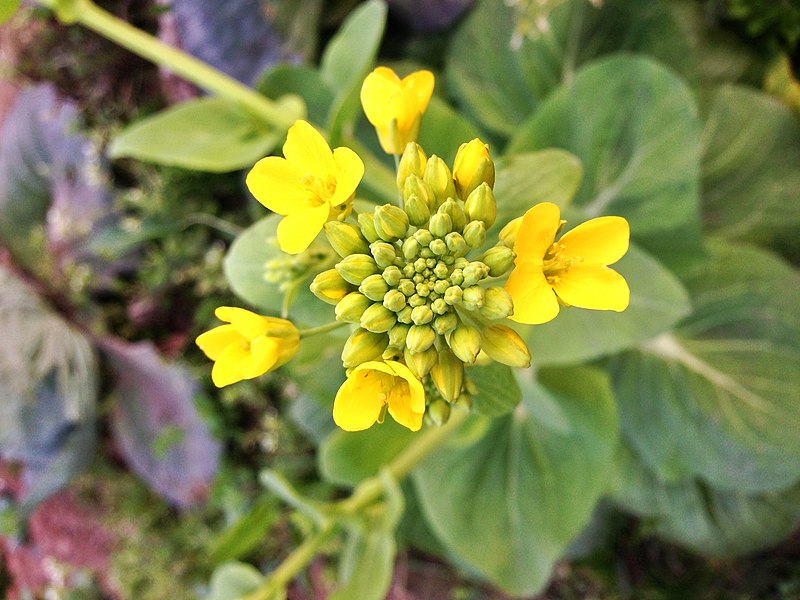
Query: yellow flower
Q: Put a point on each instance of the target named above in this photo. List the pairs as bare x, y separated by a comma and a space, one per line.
572, 271
249, 346
309, 187
373, 386
472, 167
395, 106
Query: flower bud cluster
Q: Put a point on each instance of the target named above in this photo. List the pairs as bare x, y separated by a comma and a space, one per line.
407, 281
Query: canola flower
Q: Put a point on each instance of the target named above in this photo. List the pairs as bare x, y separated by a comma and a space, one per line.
424, 294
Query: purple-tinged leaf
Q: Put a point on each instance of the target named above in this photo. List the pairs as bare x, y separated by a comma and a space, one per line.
156, 424
234, 36
426, 16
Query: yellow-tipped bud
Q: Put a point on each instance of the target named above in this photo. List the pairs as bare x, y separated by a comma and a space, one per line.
417, 210
383, 253
394, 300
378, 319
363, 346
366, 223
391, 222
481, 205
497, 303
397, 335
345, 238
439, 180
508, 234
420, 338
421, 363
505, 346
474, 234
438, 411
412, 162
456, 211
356, 267
421, 315
448, 375
499, 259
465, 342
351, 307
415, 186
374, 287
329, 286
440, 225
472, 167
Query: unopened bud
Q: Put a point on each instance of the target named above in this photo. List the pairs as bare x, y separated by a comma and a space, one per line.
374, 287
481, 205
474, 234
412, 162
497, 303
504, 345
397, 335
440, 225
448, 375
345, 238
453, 295
456, 244
417, 210
352, 306
438, 411
378, 319
472, 167
391, 222
441, 271
456, 211
420, 338
404, 316
439, 180
499, 259
383, 253
415, 186
407, 287
439, 307
329, 286
465, 342
392, 275
446, 323
423, 237
473, 273
394, 300
508, 234
473, 297
356, 267
438, 247
410, 248
366, 223
420, 363
422, 315
362, 346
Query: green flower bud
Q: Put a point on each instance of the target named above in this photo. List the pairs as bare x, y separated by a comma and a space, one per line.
383, 253
397, 335
465, 342
378, 319
411, 249
438, 411
423, 289
394, 300
460, 263
352, 306
472, 167
416, 300
404, 316
412, 162
473, 273
329, 286
420, 338
456, 211
497, 303
392, 275
374, 287
407, 287
356, 267
423, 237
474, 234
446, 323
439, 180
440, 225
345, 238
456, 244
448, 375
504, 345
366, 223
361, 346
508, 234
422, 315
439, 307
417, 210
426, 253
391, 222
415, 186
438, 247
499, 259
473, 297
481, 205
453, 295
420, 363
408, 270
392, 353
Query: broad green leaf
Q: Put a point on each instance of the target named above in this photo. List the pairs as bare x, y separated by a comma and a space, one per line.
658, 302
751, 167
347, 60
302, 81
709, 521
717, 399
500, 78
507, 495
206, 134
246, 270
498, 391
369, 564
7, 9
246, 533
233, 581
443, 130
634, 125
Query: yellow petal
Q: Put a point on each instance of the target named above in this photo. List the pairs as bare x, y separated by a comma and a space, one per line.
214, 342
306, 149
593, 286
537, 232
360, 399
298, 230
247, 323
534, 300
376, 93
349, 171
421, 84
400, 409
415, 385
277, 185
264, 352
229, 366
602, 240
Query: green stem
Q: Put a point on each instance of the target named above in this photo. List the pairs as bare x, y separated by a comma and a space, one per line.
322, 328
151, 48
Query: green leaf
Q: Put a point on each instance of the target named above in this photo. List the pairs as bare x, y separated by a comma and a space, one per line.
367, 564
498, 391
751, 167
443, 130
347, 60
246, 533
708, 521
7, 9
245, 267
634, 126
717, 399
658, 302
507, 495
500, 85
206, 134
302, 81
234, 580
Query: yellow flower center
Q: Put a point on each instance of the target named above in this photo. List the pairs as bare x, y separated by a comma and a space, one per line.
555, 263
322, 188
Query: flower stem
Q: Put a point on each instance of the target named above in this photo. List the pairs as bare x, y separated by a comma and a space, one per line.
322, 328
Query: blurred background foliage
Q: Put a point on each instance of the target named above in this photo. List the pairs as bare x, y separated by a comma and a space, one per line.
125, 475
